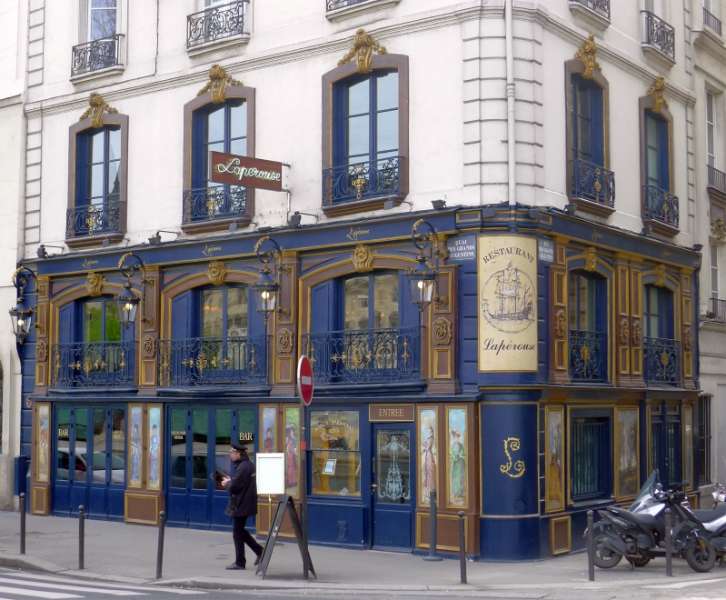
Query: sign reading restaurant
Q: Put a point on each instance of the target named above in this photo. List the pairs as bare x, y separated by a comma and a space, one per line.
507, 285
234, 169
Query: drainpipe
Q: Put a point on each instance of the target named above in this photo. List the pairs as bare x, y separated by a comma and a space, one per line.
511, 145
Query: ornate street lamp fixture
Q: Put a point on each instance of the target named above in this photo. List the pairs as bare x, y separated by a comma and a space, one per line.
127, 300
267, 287
21, 315
422, 277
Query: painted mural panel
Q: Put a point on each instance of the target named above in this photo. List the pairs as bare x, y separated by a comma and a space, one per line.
154, 446
428, 453
626, 445
135, 446
269, 429
554, 458
457, 457
292, 450
43, 424
688, 444
507, 284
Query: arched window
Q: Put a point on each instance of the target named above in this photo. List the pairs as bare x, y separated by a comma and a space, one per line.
588, 326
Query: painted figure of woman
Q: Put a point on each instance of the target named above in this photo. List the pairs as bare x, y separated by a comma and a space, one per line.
458, 468
269, 441
154, 447
136, 453
290, 457
429, 463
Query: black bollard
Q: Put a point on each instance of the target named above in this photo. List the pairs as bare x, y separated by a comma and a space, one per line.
432, 530
160, 544
462, 546
81, 536
668, 542
22, 522
590, 546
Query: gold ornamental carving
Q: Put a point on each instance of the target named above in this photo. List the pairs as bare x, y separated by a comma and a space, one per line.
512, 468
590, 259
362, 258
718, 230
284, 341
362, 51
560, 323
624, 331
219, 79
442, 331
660, 275
94, 283
657, 94
586, 55
97, 106
637, 334
217, 272
41, 351
687, 342
149, 346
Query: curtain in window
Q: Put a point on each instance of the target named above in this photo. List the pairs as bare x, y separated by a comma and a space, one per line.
591, 458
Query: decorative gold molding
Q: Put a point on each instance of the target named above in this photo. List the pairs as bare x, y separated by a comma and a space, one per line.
586, 55
513, 469
657, 94
363, 47
590, 258
284, 341
660, 275
560, 323
718, 230
217, 272
97, 106
219, 79
442, 331
362, 258
94, 283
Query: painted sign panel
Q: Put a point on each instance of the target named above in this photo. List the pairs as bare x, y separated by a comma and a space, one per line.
507, 281
546, 250
135, 446
390, 413
234, 169
43, 424
462, 248
154, 446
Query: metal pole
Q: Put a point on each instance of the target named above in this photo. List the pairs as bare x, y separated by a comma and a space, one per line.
432, 530
590, 546
22, 522
668, 543
81, 535
160, 544
304, 492
462, 546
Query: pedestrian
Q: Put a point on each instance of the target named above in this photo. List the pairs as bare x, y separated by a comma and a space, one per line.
242, 489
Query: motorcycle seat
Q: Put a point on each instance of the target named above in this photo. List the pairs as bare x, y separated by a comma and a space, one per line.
705, 515
646, 521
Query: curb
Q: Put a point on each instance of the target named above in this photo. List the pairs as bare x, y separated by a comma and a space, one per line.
18, 561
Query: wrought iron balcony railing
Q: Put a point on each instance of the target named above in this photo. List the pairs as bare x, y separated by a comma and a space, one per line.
711, 21
364, 356
96, 55
94, 219
214, 202
588, 355
659, 35
716, 179
363, 180
662, 361
213, 361
599, 7
660, 206
717, 310
336, 4
593, 182
93, 364
217, 23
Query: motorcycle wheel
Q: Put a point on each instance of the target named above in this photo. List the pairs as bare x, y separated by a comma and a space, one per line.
638, 561
700, 555
604, 557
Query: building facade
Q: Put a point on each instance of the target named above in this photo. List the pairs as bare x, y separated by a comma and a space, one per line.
550, 368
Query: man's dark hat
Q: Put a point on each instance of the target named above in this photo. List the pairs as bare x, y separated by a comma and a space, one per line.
240, 447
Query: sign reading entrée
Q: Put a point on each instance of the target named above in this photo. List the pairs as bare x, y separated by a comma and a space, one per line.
250, 172
305, 380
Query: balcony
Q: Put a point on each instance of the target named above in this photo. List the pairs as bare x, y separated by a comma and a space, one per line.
96, 57
588, 356
593, 187
659, 38
213, 207
91, 223
210, 362
660, 210
596, 12
93, 364
338, 9
661, 358
717, 182
364, 356
218, 26
355, 183
712, 22
716, 310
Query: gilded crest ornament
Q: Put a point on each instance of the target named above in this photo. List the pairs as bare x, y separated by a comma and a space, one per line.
442, 331
687, 342
362, 258
512, 468
41, 351
657, 94
94, 283
590, 259
637, 333
560, 324
362, 51
718, 229
284, 341
97, 106
660, 275
586, 55
624, 330
217, 272
219, 79
149, 346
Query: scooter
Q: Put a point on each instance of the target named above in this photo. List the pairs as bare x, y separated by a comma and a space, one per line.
702, 533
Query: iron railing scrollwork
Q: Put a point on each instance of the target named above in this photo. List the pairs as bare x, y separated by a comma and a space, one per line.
363, 180
216, 23
94, 219
364, 356
659, 35
717, 179
662, 360
213, 361
96, 55
711, 21
93, 364
593, 182
588, 355
600, 7
661, 206
214, 202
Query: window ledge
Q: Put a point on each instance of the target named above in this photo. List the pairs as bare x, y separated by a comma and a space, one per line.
653, 226
102, 239
657, 55
715, 193
602, 210
98, 74
592, 17
708, 39
358, 206
216, 224
228, 42
344, 12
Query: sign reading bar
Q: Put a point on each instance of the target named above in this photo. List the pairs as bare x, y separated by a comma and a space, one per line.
250, 172
507, 282
390, 413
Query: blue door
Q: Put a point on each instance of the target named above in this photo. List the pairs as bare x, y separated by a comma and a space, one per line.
393, 490
199, 442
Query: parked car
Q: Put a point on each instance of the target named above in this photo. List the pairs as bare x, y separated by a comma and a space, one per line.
118, 466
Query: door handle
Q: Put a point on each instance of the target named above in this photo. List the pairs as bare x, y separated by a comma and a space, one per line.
374, 487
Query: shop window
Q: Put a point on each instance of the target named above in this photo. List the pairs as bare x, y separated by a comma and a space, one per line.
336, 461
702, 440
591, 455
588, 326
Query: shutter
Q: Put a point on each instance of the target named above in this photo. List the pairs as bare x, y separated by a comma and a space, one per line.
574, 117
663, 155
181, 316
596, 125
340, 124
665, 313
66, 321
82, 143
324, 307
199, 158
255, 319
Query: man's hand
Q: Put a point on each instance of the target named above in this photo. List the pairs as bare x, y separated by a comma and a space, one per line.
225, 481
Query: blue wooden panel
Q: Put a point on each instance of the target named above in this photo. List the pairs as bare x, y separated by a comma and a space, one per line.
176, 507
97, 502
219, 503
509, 539
61, 501
198, 502
344, 524
78, 496
323, 302
181, 316
393, 528
115, 502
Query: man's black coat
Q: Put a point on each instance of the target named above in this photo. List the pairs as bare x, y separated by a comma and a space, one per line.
242, 489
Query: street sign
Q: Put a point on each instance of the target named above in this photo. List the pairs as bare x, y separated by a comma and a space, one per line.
305, 380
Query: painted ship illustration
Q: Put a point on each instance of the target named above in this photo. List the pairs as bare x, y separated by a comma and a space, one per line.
508, 301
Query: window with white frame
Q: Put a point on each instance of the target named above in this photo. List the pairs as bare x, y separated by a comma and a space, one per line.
714, 271
711, 129
713, 6
101, 19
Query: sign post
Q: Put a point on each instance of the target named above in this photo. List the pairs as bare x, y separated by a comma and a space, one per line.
305, 389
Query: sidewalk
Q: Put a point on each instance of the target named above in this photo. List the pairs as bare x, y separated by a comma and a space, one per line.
127, 553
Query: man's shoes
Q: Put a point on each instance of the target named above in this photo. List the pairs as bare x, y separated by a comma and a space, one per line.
258, 559
235, 567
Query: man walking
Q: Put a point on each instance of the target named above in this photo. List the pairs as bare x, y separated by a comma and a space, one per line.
242, 489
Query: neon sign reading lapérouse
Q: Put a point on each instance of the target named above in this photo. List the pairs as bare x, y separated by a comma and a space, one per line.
250, 172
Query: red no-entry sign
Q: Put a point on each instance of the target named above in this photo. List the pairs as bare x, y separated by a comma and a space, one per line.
305, 380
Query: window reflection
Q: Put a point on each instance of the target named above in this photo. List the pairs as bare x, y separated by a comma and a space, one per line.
335, 453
